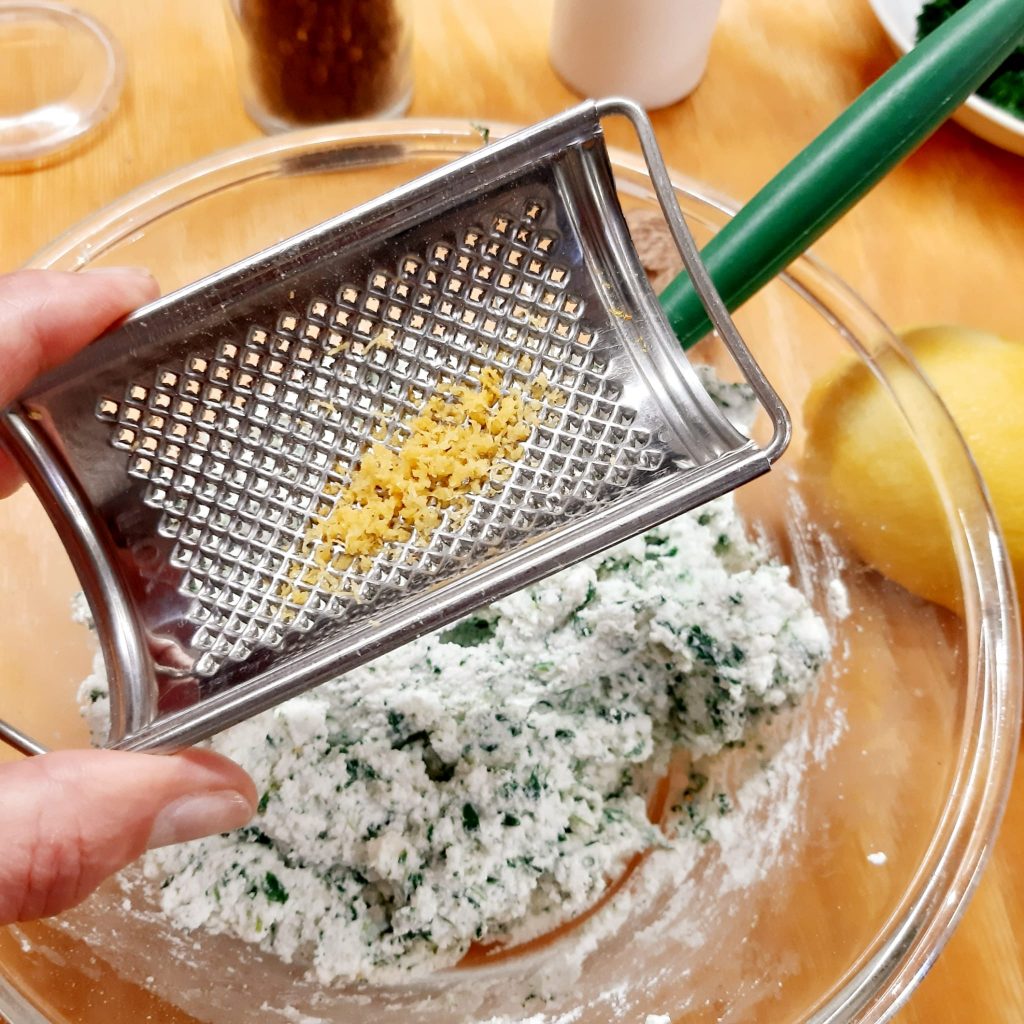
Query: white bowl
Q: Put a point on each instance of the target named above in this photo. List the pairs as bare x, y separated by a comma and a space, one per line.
984, 119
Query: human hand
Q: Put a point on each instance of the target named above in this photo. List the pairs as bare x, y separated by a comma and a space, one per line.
70, 819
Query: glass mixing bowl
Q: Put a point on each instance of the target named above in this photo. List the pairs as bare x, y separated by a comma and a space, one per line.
839, 888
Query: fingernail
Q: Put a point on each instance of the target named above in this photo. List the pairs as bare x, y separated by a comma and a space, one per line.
192, 817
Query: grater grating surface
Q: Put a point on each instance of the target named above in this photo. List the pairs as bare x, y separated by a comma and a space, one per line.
236, 448
186, 455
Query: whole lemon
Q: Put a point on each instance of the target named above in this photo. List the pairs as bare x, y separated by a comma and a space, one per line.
864, 466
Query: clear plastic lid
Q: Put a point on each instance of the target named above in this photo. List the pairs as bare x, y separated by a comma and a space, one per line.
63, 73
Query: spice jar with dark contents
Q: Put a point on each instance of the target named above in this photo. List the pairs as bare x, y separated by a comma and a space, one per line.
305, 62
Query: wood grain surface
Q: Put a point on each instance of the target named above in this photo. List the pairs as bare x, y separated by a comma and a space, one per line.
941, 240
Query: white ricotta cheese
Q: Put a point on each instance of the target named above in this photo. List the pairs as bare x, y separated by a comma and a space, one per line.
486, 783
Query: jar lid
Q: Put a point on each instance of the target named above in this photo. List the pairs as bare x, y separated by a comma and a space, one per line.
63, 74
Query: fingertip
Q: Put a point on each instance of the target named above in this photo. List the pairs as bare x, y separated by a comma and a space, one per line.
220, 769
216, 795
46, 316
198, 815
132, 279
72, 818
99, 298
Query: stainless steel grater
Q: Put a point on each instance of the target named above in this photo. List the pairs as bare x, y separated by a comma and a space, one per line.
184, 455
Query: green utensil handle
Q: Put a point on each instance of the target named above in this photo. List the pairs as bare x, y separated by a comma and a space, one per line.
862, 145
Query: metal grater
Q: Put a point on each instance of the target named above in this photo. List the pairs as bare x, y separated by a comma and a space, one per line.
184, 455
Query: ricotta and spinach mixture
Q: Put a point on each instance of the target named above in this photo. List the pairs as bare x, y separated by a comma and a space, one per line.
486, 783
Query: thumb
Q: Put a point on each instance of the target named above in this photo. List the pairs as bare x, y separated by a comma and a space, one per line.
71, 819
47, 316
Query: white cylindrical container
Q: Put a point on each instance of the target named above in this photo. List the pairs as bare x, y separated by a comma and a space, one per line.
651, 51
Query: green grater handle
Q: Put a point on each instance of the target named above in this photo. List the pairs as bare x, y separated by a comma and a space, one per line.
816, 188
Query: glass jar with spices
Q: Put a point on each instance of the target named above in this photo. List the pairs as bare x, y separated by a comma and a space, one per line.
305, 62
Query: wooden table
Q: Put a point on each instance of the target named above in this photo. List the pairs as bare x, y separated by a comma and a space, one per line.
942, 239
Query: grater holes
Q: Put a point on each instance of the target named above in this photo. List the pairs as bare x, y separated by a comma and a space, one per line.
566, 378
549, 300
243, 380
125, 437
238, 478
649, 460
202, 563
639, 439
364, 329
348, 295
273, 366
262, 413
472, 237
191, 535
545, 242
140, 466
169, 452
303, 427
410, 267
220, 522
324, 383
562, 444
107, 409
177, 504
455, 286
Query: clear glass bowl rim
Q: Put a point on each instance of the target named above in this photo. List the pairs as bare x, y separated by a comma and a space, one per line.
881, 981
